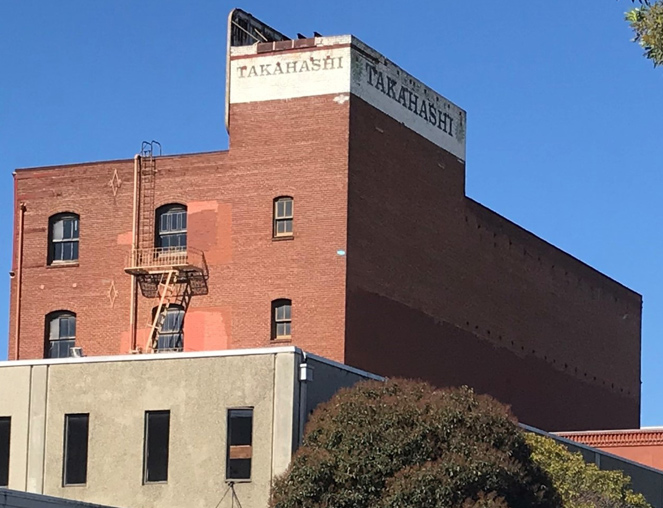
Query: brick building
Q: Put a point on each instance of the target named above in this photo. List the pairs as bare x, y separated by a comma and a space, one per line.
644, 446
336, 221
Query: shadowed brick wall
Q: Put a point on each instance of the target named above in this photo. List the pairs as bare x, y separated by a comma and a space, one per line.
441, 288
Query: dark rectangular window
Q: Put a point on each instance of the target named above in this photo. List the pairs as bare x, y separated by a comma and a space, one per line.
155, 455
5, 431
75, 449
239, 450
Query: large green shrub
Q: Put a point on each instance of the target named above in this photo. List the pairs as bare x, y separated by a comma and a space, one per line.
404, 444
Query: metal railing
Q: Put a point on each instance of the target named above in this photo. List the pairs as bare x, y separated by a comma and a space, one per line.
165, 258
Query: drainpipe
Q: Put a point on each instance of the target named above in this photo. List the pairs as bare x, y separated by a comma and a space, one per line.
134, 246
19, 276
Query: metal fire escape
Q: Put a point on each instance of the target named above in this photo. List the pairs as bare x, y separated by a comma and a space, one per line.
169, 275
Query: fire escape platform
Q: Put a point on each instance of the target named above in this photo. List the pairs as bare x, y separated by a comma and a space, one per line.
154, 261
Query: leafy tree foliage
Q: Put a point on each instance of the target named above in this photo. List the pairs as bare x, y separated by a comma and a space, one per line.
582, 485
402, 444
647, 24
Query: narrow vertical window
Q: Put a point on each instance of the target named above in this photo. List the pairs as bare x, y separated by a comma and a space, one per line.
171, 227
63, 238
155, 453
75, 449
281, 319
283, 216
5, 434
60, 334
240, 438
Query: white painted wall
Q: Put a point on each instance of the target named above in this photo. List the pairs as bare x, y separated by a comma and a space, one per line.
343, 65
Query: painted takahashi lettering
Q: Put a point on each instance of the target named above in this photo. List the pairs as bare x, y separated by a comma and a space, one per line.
298, 66
409, 100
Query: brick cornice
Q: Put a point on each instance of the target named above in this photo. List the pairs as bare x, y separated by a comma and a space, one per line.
644, 437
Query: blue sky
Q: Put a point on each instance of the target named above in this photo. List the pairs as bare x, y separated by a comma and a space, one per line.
564, 115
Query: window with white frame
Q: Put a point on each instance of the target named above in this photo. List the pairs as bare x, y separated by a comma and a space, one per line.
283, 216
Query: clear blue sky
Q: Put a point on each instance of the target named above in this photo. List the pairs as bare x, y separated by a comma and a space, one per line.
564, 115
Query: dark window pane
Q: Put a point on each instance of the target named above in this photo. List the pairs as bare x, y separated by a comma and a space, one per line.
288, 208
64, 327
288, 225
57, 252
239, 469
67, 251
68, 226
157, 434
75, 448
241, 426
5, 434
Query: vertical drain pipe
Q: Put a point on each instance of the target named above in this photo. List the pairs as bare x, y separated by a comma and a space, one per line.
19, 276
133, 257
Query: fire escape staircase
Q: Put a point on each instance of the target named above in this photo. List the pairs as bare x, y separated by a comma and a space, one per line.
170, 276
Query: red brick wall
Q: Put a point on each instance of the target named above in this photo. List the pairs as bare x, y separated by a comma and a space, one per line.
438, 287
441, 288
275, 151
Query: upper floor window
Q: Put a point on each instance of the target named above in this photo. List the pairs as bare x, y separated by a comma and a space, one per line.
281, 319
171, 335
283, 214
63, 238
60, 334
171, 227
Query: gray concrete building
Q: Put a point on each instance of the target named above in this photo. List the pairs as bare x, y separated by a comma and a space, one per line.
17, 499
168, 430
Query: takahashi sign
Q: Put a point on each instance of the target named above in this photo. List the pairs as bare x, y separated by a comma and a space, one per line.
343, 65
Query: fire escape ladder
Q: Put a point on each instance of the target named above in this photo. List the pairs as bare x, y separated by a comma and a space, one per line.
166, 291
172, 276
148, 169
173, 291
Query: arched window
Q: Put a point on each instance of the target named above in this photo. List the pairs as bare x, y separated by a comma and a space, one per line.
171, 227
63, 238
171, 336
60, 334
281, 318
283, 216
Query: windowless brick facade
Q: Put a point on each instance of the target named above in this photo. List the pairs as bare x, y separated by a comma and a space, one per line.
389, 266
